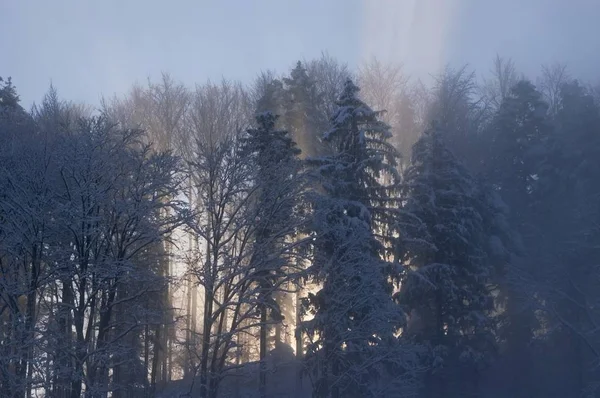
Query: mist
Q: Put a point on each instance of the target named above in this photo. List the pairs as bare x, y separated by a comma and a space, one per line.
300, 199
89, 50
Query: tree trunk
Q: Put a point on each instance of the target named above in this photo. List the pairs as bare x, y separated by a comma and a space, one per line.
98, 371
262, 383
298, 340
65, 386
30, 324
155, 360
171, 335
324, 386
335, 375
278, 341
187, 371
206, 333
146, 357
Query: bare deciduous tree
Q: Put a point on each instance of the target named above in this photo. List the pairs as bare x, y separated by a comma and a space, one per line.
550, 84
496, 88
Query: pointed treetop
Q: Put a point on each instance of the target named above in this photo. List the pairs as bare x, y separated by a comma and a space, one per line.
8, 93
352, 110
270, 96
299, 71
266, 138
298, 77
266, 120
349, 93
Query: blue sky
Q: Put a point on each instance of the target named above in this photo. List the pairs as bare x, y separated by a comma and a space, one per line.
88, 48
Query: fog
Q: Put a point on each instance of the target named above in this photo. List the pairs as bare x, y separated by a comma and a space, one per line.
88, 49
329, 199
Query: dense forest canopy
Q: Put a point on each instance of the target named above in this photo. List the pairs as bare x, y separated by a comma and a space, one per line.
326, 232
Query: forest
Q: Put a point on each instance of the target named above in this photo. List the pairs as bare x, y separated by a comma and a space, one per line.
329, 232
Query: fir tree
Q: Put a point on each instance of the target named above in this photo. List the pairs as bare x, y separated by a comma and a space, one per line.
519, 149
8, 93
519, 144
300, 115
353, 347
278, 188
447, 288
270, 94
568, 240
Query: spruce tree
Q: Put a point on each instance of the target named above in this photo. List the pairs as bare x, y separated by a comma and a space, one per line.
519, 149
569, 239
300, 115
277, 182
270, 94
447, 288
353, 346
519, 144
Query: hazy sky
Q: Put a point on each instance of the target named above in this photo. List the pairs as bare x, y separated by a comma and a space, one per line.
89, 47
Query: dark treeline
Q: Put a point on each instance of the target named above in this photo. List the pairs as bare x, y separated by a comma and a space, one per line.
327, 233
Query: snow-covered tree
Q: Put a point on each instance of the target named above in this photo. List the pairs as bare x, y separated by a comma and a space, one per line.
447, 288
518, 142
353, 348
83, 205
300, 116
268, 94
245, 186
116, 201
160, 109
515, 148
274, 160
26, 195
567, 239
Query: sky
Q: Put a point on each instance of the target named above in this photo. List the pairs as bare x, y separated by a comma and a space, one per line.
88, 48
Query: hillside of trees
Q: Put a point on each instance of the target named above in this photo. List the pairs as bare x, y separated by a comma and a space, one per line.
326, 232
